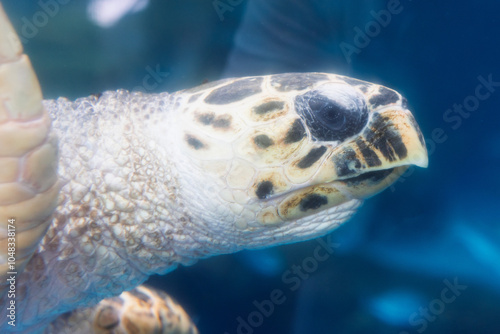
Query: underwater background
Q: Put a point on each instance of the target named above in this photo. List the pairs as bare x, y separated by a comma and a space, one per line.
421, 257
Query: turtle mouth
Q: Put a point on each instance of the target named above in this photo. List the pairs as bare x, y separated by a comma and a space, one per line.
312, 199
368, 184
373, 176
360, 186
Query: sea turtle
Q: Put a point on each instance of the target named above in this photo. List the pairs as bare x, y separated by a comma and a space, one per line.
146, 182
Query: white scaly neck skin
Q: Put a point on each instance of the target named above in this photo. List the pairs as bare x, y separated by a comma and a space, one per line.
120, 216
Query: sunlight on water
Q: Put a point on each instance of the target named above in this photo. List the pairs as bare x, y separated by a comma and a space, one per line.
106, 13
393, 307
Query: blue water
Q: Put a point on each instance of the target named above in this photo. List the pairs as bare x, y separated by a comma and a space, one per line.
424, 256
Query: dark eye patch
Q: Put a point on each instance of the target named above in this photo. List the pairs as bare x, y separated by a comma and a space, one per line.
329, 120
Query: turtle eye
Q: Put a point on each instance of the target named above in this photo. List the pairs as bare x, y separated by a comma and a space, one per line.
335, 117
330, 114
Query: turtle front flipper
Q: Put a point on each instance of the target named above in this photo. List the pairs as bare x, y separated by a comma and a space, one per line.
140, 310
28, 159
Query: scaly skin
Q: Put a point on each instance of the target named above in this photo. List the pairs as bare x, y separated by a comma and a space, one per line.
153, 181
142, 310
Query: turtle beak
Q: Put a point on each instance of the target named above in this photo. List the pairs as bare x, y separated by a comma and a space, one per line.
369, 163
391, 139
372, 161
390, 143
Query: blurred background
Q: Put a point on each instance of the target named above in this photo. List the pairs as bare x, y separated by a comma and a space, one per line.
423, 256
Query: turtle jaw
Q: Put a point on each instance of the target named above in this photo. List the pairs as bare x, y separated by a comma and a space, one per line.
391, 139
361, 167
387, 147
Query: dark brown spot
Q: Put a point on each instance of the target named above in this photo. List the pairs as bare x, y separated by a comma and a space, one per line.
296, 132
385, 138
223, 121
385, 96
194, 142
263, 141
296, 81
268, 107
344, 161
264, 189
206, 119
370, 156
312, 157
107, 318
312, 202
235, 91
139, 295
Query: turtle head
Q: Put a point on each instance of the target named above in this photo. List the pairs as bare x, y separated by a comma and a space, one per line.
291, 156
